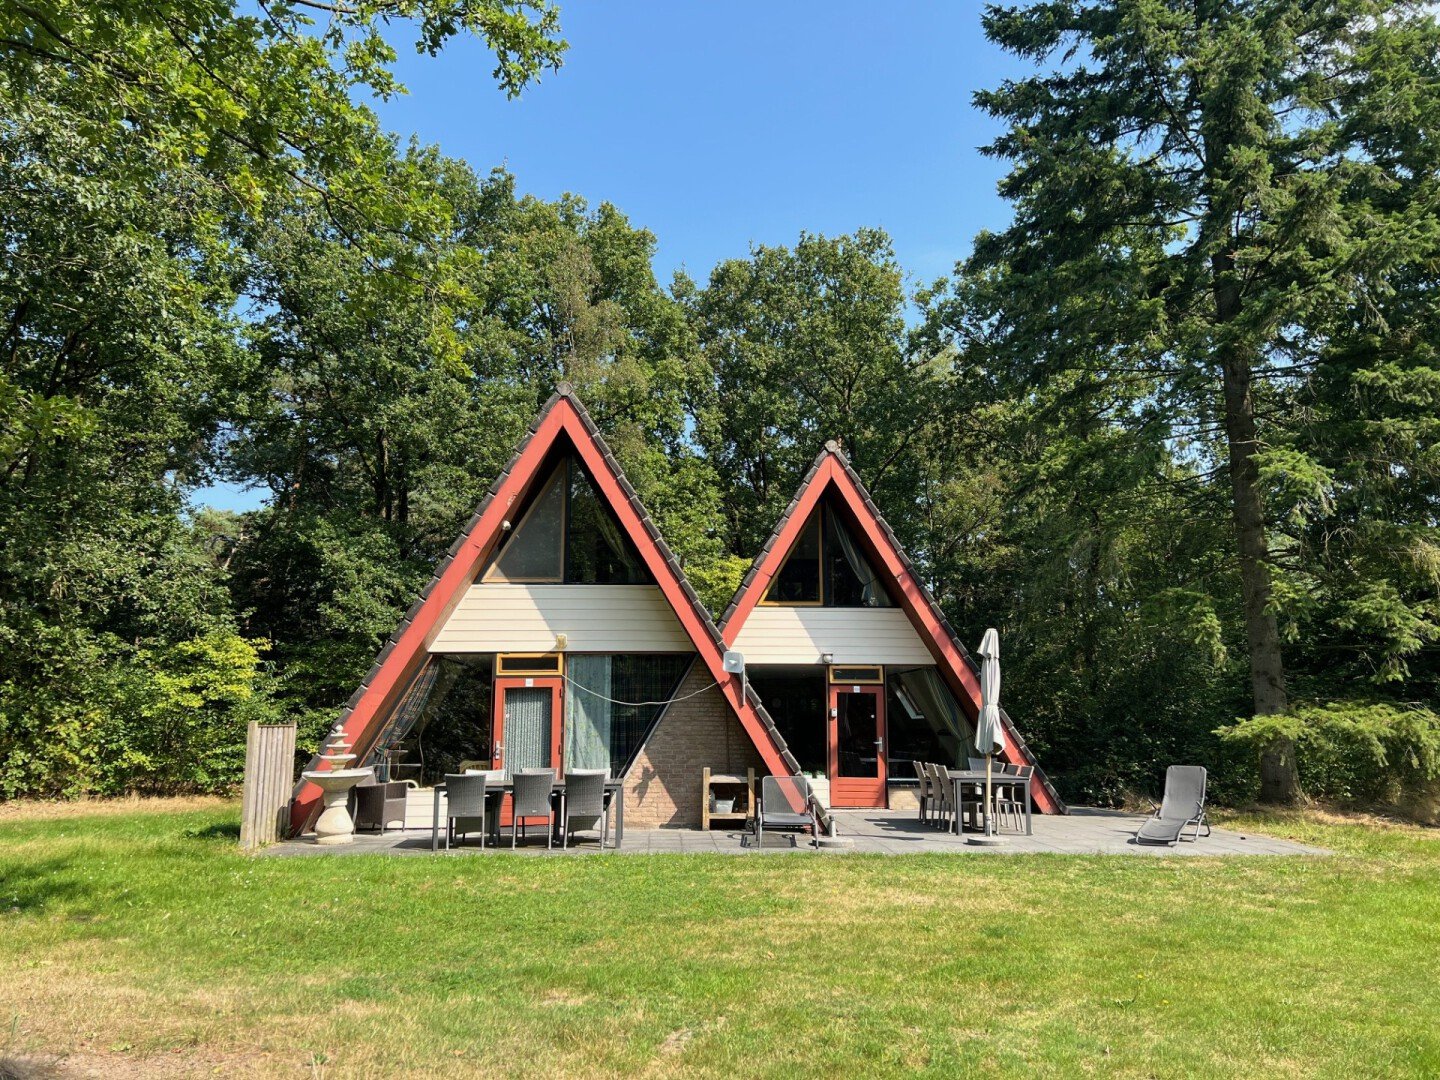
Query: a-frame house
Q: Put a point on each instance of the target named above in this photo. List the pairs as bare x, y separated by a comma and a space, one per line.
548, 637
850, 652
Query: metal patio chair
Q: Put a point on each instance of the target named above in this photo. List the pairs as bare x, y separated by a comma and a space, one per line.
944, 789
786, 805
1010, 797
927, 796
1183, 805
584, 805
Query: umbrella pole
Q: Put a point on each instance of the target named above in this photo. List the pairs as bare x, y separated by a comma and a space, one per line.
989, 800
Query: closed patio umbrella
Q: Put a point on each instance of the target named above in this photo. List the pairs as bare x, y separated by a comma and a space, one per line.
989, 731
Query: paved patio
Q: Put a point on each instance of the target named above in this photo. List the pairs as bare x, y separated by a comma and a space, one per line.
1084, 831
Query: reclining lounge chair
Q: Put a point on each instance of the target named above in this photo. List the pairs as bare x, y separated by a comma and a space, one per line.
1182, 806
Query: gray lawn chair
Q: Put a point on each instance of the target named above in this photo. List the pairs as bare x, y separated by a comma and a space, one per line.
533, 797
786, 805
927, 795
971, 802
376, 805
466, 807
1010, 797
1182, 806
585, 804
944, 790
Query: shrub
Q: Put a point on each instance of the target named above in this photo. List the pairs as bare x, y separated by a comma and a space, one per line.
99, 716
1357, 753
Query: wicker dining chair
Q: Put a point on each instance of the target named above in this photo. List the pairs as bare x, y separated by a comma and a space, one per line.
584, 805
533, 796
465, 807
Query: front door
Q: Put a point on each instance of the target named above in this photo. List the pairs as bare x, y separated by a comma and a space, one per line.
857, 746
526, 728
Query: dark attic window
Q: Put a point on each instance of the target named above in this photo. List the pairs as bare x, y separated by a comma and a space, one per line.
850, 580
798, 581
598, 552
827, 567
534, 548
567, 534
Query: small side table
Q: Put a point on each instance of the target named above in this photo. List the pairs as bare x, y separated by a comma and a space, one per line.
731, 785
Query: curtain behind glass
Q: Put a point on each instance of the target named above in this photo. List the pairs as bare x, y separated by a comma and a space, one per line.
872, 593
933, 698
588, 713
527, 728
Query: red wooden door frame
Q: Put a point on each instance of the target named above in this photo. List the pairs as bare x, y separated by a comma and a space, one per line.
503, 683
857, 791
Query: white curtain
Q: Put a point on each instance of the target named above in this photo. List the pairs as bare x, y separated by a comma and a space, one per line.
587, 712
871, 591
934, 699
527, 728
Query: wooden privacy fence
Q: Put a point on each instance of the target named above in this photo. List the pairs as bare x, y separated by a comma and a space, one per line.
269, 779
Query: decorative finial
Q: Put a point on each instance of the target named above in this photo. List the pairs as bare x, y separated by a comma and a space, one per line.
833, 446
564, 388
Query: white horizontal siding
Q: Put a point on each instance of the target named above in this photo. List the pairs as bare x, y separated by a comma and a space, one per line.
799, 635
503, 617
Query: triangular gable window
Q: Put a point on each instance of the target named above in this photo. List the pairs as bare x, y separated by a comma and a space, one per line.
798, 581
826, 567
534, 550
567, 534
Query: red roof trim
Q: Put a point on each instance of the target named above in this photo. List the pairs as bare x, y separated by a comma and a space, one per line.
408, 647
832, 471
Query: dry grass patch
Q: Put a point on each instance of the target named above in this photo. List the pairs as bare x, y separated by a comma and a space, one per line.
128, 806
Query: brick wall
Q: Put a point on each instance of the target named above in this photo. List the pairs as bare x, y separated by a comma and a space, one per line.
662, 788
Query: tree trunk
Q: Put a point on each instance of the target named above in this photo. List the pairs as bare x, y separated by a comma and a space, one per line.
1279, 778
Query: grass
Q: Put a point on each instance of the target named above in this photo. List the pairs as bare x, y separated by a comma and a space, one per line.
137, 940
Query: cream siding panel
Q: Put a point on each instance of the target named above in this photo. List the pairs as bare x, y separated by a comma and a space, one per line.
505, 617
799, 635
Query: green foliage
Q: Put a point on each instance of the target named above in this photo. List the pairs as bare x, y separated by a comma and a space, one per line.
1201, 361
1356, 752
147, 151
102, 716
717, 581
801, 346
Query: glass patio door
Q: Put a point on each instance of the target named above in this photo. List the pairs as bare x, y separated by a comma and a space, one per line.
857, 746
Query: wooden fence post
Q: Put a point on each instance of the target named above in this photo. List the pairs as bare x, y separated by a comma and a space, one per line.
269, 779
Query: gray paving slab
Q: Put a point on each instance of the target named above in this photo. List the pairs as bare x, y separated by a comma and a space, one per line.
1084, 831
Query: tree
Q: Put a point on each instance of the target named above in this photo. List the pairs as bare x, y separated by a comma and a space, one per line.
800, 346
141, 147
378, 414
1199, 188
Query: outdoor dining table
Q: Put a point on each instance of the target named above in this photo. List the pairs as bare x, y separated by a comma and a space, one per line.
614, 788
961, 777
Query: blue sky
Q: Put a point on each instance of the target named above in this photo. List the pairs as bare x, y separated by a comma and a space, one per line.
721, 125
718, 126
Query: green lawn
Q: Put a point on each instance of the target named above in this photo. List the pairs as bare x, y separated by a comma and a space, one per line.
138, 940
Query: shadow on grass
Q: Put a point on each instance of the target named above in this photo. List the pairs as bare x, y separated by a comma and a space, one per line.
16, 1068
29, 888
227, 830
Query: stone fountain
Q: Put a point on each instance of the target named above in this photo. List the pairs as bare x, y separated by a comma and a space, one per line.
335, 825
